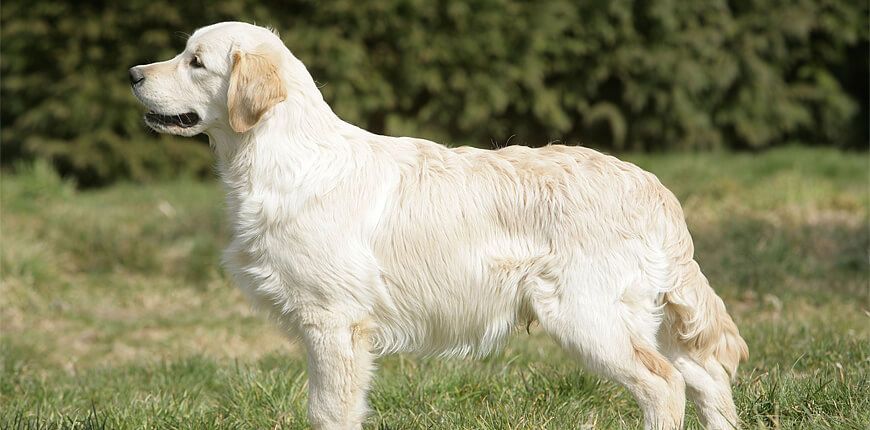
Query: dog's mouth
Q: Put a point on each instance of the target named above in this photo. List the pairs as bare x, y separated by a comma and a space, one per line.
183, 120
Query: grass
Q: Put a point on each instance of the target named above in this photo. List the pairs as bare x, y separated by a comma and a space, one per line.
115, 313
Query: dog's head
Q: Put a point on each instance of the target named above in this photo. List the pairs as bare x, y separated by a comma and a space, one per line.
228, 77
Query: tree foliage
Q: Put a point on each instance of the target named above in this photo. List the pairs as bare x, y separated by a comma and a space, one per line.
620, 74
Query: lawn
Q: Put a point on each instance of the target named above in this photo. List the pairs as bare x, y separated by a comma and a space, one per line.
115, 313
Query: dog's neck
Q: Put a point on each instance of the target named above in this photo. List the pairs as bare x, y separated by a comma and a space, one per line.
296, 144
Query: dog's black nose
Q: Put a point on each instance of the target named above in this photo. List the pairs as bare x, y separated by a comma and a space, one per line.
136, 76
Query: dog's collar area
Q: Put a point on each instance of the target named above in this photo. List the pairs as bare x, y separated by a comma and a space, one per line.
183, 120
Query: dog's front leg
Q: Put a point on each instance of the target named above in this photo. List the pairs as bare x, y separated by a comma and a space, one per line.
339, 372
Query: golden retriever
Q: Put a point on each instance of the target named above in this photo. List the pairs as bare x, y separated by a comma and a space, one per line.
362, 245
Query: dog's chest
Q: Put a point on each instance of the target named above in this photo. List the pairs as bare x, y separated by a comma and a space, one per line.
269, 247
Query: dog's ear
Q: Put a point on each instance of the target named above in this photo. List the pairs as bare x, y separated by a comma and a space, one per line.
255, 87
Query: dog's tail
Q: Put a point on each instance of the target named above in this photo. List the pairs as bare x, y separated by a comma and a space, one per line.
697, 320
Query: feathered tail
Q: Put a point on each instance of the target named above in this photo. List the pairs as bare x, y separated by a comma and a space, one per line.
697, 319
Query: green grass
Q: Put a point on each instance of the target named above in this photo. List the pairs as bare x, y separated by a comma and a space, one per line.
115, 313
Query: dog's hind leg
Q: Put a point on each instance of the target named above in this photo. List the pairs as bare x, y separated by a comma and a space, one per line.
709, 388
593, 323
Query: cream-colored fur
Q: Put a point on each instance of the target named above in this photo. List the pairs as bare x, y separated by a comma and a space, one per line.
362, 245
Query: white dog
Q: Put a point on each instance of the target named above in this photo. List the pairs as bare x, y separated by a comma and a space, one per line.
363, 245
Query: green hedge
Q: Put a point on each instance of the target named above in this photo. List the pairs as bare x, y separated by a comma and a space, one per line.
650, 75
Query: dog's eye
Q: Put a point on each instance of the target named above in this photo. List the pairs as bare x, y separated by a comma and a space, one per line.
195, 63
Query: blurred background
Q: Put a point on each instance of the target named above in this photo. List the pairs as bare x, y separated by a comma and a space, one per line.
115, 313
617, 75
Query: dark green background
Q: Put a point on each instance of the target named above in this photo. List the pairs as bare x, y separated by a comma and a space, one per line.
619, 75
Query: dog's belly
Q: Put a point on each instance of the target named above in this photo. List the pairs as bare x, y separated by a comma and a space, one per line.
454, 278
453, 302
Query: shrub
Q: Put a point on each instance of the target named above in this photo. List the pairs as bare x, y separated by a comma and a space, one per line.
655, 75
